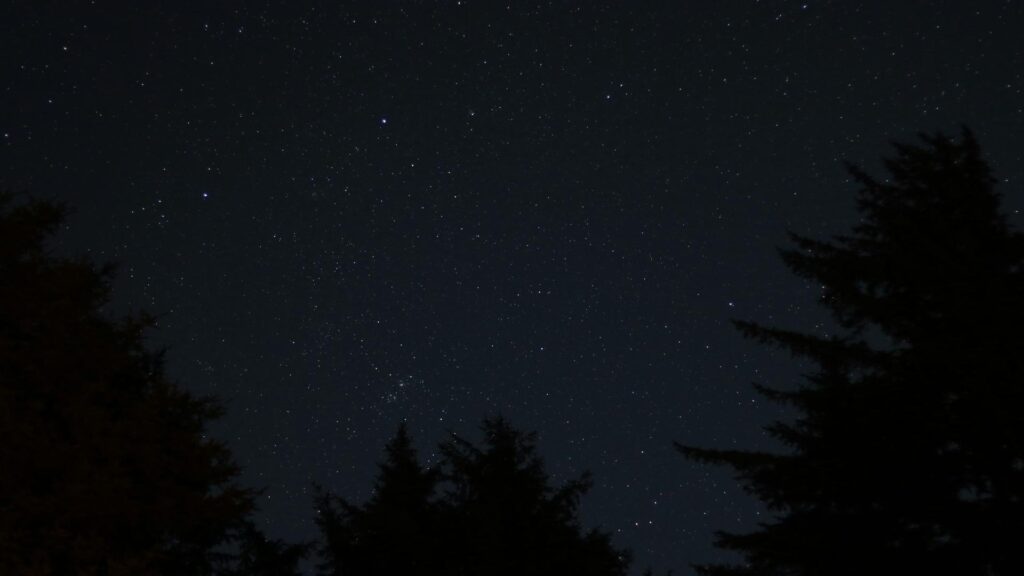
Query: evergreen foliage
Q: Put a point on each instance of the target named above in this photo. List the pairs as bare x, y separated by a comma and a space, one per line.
484, 510
105, 467
395, 532
907, 455
258, 555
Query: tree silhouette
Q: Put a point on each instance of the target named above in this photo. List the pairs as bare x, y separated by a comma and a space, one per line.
258, 555
509, 520
492, 511
395, 531
106, 468
908, 452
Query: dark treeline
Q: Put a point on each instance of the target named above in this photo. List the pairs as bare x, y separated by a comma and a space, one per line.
906, 454
104, 465
484, 510
105, 468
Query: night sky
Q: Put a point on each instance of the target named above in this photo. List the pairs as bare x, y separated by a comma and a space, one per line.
350, 214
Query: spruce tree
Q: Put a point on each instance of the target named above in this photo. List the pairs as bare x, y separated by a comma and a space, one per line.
257, 555
507, 519
392, 533
105, 466
907, 452
485, 510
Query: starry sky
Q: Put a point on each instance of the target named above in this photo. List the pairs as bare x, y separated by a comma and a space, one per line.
349, 214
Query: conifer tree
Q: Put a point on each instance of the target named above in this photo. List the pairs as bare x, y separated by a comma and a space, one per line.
105, 466
395, 531
506, 517
907, 455
492, 511
258, 555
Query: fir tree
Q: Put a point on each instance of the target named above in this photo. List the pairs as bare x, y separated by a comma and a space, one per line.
395, 531
258, 555
907, 455
492, 511
105, 466
506, 517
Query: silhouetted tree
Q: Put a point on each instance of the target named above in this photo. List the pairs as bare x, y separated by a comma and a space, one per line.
496, 515
395, 531
105, 467
907, 456
506, 517
258, 555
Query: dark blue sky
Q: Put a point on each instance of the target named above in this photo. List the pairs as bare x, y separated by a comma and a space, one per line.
349, 214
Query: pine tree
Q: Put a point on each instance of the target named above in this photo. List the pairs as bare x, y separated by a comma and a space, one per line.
395, 531
506, 518
907, 455
258, 555
105, 467
492, 511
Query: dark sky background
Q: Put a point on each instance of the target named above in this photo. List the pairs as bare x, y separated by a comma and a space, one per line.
350, 214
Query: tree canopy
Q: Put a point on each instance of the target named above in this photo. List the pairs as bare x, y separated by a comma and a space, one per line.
106, 466
486, 509
907, 455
